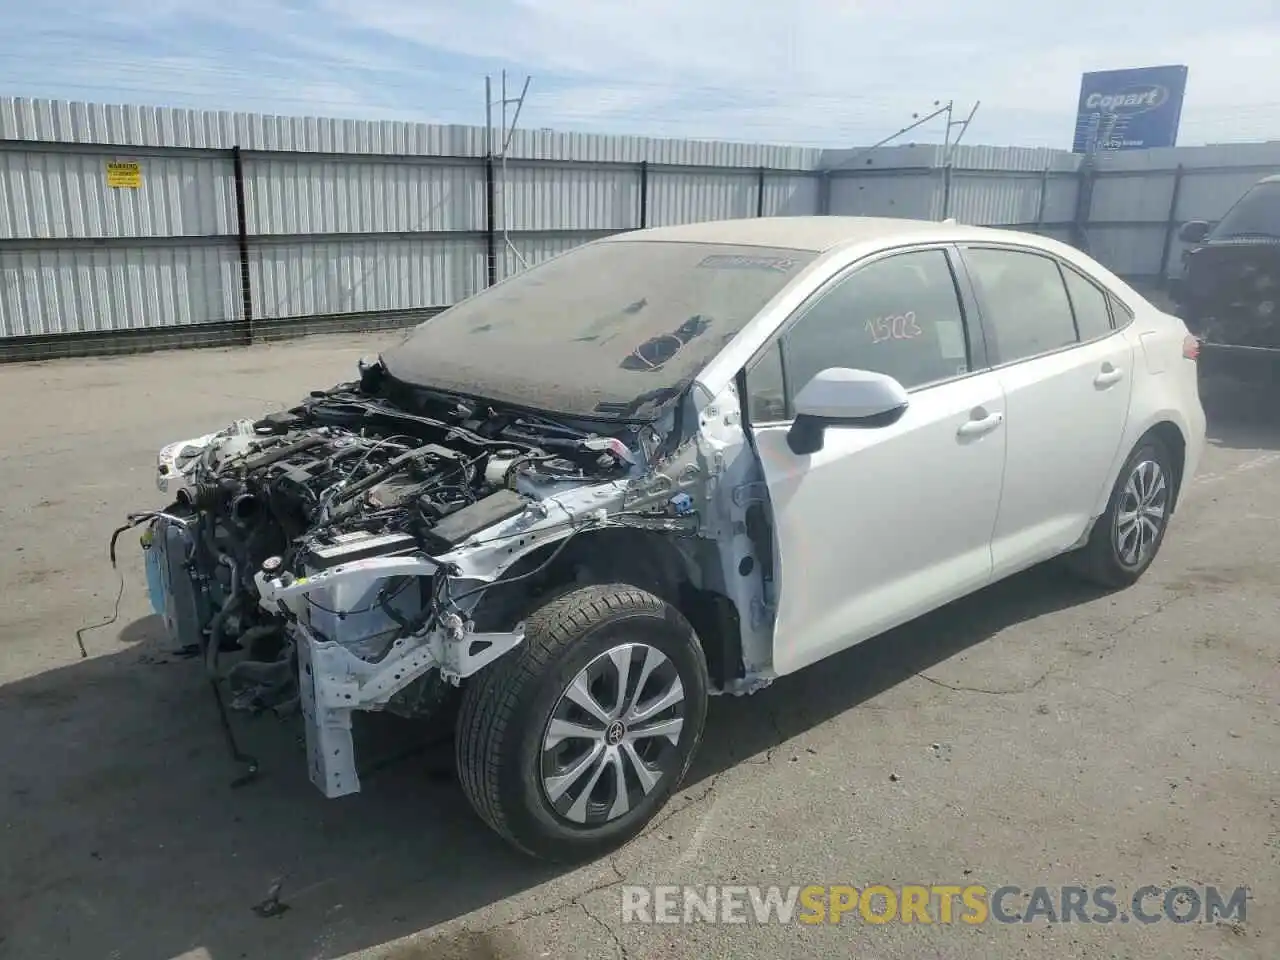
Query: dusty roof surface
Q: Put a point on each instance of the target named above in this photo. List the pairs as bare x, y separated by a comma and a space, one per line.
805, 233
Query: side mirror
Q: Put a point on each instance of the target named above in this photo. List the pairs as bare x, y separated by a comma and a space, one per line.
847, 398
1194, 231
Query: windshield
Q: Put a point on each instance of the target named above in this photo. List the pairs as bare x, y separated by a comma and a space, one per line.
1256, 214
612, 330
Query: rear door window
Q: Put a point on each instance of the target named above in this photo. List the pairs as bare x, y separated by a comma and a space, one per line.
1025, 308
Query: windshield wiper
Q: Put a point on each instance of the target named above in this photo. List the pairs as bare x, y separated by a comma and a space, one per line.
1249, 235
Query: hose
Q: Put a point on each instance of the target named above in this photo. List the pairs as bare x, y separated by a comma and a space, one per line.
220, 618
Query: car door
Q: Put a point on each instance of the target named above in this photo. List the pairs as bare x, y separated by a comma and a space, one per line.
882, 523
1067, 377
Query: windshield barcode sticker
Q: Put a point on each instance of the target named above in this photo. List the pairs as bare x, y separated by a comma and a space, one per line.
722, 261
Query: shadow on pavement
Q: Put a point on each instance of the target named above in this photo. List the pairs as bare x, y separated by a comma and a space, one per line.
122, 832
123, 838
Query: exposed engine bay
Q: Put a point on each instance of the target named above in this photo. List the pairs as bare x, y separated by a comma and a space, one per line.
329, 558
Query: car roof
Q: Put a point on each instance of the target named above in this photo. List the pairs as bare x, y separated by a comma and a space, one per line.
1274, 178
817, 233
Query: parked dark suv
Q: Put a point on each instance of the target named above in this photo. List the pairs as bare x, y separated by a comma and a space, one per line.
1229, 295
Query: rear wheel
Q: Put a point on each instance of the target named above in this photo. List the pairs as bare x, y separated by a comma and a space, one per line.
1127, 537
568, 745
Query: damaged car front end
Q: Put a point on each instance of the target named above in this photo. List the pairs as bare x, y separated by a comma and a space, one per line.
377, 546
337, 549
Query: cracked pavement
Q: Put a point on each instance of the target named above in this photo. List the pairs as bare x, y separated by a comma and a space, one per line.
1036, 733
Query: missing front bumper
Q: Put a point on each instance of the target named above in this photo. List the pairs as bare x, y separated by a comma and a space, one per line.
334, 683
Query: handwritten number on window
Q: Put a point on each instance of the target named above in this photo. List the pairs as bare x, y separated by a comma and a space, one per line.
900, 327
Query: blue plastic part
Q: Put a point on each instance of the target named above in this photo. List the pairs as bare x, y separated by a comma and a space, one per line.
155, 583
681, 504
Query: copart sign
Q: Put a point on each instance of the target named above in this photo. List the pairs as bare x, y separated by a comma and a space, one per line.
1129, 109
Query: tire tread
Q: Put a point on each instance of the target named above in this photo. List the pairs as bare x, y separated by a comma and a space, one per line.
1095, 562
491, 700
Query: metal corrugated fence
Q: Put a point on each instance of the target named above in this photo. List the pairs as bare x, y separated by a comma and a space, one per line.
195, 225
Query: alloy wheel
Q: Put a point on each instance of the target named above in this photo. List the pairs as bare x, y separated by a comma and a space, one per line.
613, 735
1141, 514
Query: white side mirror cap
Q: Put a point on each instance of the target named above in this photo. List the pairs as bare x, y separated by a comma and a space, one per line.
841, 395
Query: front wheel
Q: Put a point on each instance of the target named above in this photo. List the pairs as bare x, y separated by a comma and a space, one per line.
568, 745
1127, 537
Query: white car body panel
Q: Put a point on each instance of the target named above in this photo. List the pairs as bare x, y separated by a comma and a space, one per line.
1067, 417
882, 524
1165, 390
1061, 462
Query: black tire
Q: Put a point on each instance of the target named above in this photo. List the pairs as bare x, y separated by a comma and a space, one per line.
507, 707
1101, 561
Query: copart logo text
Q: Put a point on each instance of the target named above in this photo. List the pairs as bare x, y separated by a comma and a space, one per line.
1136, 100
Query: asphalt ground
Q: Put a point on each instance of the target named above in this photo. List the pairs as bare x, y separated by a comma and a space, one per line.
1035, 734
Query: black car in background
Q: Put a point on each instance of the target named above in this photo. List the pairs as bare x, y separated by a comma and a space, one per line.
1229, 294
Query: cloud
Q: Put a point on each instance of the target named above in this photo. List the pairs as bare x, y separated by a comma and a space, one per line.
828, 72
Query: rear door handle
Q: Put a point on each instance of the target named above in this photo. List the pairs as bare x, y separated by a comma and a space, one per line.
1108, 376
980, 425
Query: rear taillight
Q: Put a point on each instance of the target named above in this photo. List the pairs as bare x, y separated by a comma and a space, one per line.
1190, 347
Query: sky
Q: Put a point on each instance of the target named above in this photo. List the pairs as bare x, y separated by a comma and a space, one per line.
831, 73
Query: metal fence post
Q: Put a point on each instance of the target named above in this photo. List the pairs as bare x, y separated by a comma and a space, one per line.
824, 193
1170, 225
644, 194
490, 238
1044, 196
1084, 204
242, 237
946, 190
760, 192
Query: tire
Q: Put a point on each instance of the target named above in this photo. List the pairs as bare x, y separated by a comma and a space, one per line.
517, 771
1108, 559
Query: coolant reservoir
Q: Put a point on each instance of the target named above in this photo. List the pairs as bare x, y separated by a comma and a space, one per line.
495, 471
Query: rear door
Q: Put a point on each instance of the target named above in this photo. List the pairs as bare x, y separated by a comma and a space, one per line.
1067, 375
883, 523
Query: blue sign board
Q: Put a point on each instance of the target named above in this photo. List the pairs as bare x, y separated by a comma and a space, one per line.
1129, 109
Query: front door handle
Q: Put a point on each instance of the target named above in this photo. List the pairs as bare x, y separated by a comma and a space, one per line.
1108, 376
980, 425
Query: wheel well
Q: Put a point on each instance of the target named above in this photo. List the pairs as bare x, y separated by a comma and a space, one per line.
1169, 434
646, 559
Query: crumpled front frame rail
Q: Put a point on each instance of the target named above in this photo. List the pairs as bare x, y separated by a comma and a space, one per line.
334, 683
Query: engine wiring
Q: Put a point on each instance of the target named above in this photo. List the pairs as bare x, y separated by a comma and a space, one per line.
383, 597
347, 464
133, 520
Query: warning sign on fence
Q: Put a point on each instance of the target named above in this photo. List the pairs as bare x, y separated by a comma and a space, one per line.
124, 173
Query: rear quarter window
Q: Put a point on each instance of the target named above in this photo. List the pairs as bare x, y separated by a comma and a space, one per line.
1093, 315
1121, 315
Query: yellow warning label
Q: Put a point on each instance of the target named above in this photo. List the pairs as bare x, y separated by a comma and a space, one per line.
124, 173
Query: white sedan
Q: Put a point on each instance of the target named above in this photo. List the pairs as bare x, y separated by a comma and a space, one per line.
665, 465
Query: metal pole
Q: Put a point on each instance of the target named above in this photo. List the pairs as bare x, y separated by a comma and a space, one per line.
893, 136
760, 192
1084, 205
1170, 225
946, 162
488, 115
490, 238
824, 193
242, 231
644, 194
515, 118
1044, 192
946, 137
